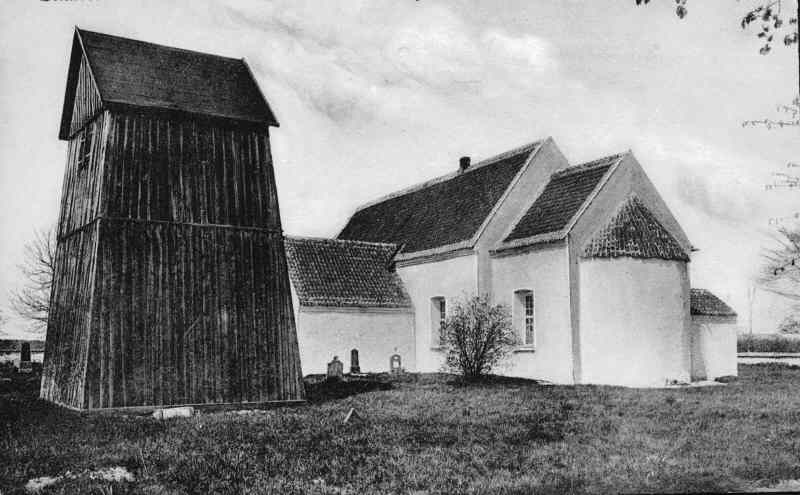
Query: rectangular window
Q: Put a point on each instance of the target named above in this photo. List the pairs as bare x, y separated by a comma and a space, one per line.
438, 320
529, 318
524, 317
85, 146
442, 319
79, 153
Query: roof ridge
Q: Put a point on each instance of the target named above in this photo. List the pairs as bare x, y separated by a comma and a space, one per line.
633, 200
597, 163
529, 147
334, 240
159, 45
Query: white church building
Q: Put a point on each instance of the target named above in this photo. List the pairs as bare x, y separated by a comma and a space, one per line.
589, 258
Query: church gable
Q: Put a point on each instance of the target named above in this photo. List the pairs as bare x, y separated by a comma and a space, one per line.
634, 232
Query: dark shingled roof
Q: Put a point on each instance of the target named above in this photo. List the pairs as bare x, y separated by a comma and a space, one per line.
331, 272
561, 199
705, 303
148, 75
634, 232
439, 213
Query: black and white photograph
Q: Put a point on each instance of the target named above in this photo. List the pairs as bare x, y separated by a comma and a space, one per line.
399, 246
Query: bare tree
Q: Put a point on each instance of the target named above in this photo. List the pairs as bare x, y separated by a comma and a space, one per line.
788, 116
780, 271
32, 300
477, 336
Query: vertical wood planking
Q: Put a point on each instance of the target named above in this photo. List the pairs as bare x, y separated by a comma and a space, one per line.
171, 285
87, 99
81, 197
190, 172
245, 343
64, 374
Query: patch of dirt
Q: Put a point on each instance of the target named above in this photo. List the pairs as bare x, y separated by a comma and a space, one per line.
324, 391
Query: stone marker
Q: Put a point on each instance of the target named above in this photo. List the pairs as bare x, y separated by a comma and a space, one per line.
174, 412
25, 364
354, 367
335, 369
352, 414
395, 364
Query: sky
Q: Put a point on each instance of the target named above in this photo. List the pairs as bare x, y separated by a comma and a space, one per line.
377, 95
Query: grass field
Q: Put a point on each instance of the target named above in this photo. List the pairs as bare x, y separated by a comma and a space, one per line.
428, 434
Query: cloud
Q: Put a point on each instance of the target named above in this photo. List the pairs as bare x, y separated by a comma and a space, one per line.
716, 198
359, 67
705, 178
523, 53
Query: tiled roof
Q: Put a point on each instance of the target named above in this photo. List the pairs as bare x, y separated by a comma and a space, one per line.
561, 199
148, 75
705, 303
441, 212
331, 272
633, 231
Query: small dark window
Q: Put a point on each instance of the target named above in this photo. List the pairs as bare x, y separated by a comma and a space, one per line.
438, 320
85, 146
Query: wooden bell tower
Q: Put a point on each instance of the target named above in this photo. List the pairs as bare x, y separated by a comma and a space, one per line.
171, 283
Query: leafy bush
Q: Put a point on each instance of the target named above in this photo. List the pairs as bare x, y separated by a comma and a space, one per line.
477, 336
767, 343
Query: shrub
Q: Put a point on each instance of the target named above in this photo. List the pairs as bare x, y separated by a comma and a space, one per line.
477, 336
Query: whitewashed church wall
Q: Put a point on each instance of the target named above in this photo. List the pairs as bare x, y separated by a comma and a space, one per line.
543, 271
454, 279
632, 315
522, 194
713, 347
377, 334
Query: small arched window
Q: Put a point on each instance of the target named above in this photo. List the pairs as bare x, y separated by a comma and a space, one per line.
524, 317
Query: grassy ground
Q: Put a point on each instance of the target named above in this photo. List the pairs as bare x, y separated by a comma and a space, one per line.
428, 434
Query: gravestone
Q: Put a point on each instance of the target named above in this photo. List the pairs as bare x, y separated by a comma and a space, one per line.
335, 369
395, 364
354, 367
25, 364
